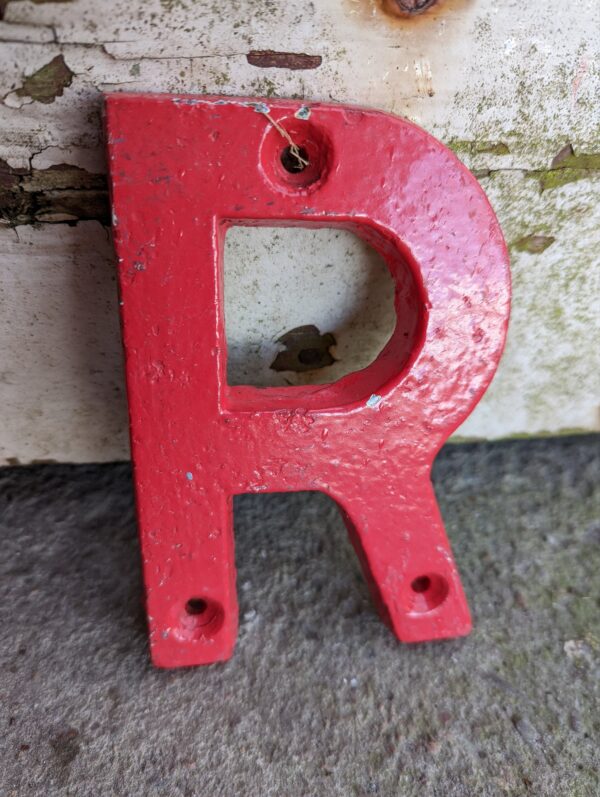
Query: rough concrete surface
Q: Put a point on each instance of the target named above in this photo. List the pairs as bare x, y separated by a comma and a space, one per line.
319, 698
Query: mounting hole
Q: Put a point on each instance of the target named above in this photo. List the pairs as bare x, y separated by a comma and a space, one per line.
196, 606
298, 160
200, 618
295, 159
421, 584
427, 592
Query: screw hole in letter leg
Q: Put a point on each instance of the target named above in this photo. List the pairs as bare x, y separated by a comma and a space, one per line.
427, 592
421, 584
196, 606
201, 618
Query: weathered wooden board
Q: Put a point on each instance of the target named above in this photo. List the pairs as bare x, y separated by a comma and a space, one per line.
512, 87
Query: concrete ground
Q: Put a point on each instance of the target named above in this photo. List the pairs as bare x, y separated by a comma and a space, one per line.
319, 698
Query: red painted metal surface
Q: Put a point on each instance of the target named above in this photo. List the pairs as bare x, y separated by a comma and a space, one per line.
183, 170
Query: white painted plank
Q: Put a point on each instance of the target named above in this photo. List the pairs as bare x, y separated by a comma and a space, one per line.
506, 84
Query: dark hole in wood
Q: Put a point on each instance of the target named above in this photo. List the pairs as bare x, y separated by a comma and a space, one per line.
306, 349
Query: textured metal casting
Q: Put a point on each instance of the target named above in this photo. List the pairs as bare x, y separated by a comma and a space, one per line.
183, 170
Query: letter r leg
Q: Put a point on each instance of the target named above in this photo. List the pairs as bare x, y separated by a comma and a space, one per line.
189, 574
396, 528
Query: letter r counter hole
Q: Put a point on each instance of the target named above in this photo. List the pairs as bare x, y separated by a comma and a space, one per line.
309, 305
